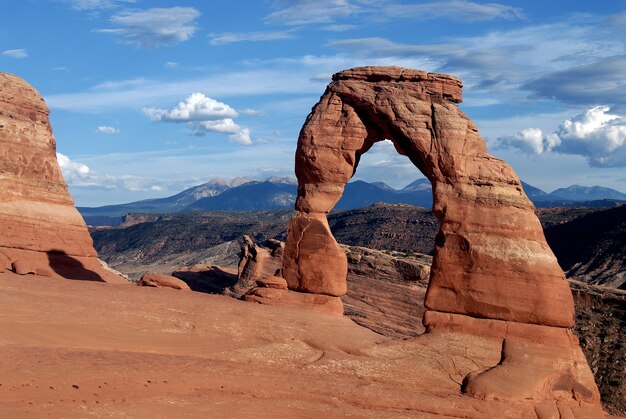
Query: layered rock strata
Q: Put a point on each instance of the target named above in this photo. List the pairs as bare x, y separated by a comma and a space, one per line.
40, 230
492, 271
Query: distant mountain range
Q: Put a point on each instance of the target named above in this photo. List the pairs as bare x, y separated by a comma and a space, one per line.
245, 194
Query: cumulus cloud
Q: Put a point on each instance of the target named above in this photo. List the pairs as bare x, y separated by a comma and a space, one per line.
596, 134
72, 171
15, 53
203, 115
197, 107
530, 141
103, 129
229, 38
154, 27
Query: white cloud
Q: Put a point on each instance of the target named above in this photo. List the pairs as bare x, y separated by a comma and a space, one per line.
251, 112
305, 12
15, 53
154, 27
595, 134
80, 175
229, 38
203, 114
531, 141
462, 10
197, 107
103, 129
170, 64
96, 4
72, 171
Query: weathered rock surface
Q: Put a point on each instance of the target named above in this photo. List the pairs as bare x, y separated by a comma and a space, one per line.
304, 301
123, 351
39, 226
257, 262
163, 281
493, 273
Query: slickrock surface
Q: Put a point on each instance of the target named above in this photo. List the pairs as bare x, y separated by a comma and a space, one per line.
41, 231
493, 274
148, 352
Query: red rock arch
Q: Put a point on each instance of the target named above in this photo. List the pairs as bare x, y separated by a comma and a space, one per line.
491, 258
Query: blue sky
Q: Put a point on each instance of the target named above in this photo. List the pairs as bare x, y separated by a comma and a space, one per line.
150, 97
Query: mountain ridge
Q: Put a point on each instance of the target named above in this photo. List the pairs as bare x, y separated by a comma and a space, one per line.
246, 194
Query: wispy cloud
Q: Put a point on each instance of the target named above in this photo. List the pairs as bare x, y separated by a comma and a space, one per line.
154, 27
103, 129
229, 38
97, 4
603, 81
304, 12
203, 115
463, 10
80, 175
15, 53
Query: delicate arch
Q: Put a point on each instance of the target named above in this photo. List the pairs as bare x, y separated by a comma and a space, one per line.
491, 258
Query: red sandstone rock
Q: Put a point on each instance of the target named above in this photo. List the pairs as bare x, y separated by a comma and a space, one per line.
313, 260
493, 273
5, 262
22, 267
257, 262
162, 281
284, 298
39, 225
491, 258
272, 282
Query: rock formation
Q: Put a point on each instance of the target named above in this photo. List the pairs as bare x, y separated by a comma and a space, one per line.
155, 280
257, 262
493, 273
40, 230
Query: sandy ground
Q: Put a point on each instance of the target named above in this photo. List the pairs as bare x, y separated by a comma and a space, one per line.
86, 349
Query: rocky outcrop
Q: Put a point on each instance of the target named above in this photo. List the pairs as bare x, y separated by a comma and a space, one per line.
40, 230
155, 280
257, 262
492, 273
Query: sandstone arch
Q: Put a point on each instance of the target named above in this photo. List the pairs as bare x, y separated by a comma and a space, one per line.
491, 258
493, 274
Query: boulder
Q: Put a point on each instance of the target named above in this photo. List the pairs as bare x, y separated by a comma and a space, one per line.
162, 281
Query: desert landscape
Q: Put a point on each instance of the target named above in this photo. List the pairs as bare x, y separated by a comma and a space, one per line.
355, 288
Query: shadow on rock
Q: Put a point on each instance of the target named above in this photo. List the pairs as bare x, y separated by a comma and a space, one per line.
209, 279
71, 268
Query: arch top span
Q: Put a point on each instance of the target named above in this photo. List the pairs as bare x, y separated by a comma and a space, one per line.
491, 258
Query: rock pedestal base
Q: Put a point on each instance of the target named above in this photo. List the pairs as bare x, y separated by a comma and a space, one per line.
536, 362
